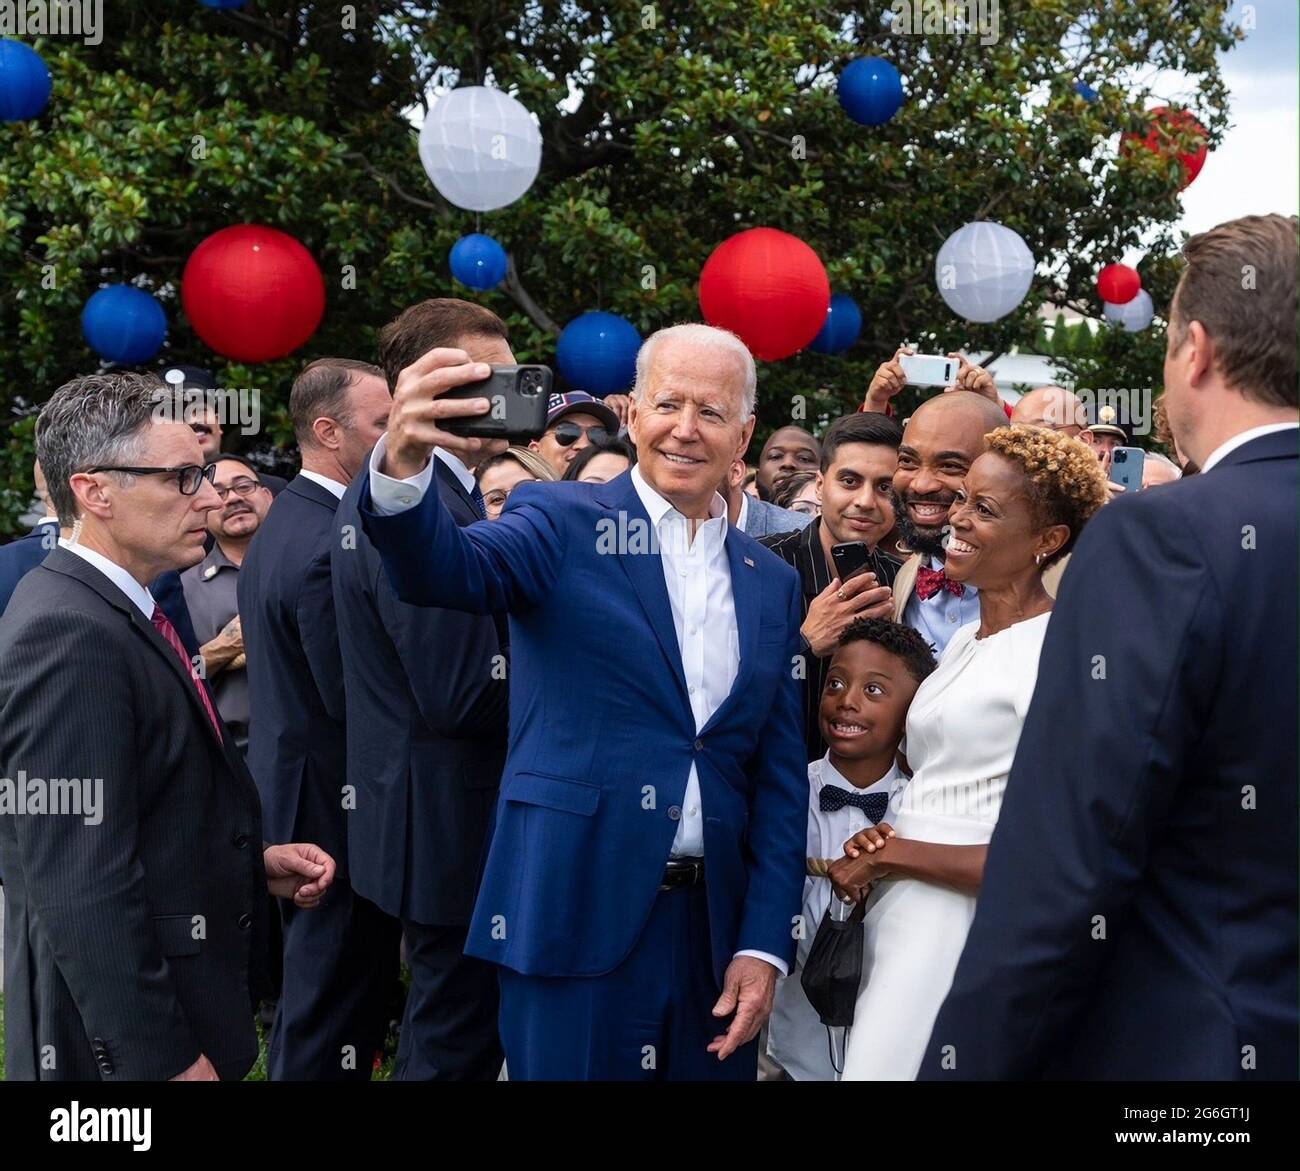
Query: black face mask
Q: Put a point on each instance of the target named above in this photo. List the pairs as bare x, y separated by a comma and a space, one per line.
833, 970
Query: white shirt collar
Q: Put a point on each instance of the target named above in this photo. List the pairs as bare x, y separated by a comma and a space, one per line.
332, 486
830, 775
135, 592
658, 506
744, 511
1243, 438
458, 468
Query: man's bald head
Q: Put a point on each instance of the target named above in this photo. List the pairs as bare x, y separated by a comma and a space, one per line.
788, 450
1053, 407
941, 440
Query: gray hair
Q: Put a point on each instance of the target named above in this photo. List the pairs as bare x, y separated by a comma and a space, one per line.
1160, 457
698, 334
98, 419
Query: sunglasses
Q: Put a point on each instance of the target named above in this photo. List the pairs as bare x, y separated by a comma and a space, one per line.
567, 434
188, 476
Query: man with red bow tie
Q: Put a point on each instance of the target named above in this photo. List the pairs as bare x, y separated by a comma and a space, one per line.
940, 442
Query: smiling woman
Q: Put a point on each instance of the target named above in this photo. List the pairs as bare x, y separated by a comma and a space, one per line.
1020, 507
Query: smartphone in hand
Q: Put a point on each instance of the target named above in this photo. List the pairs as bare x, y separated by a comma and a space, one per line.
1126, 464
928, 369
852, 558
518, 397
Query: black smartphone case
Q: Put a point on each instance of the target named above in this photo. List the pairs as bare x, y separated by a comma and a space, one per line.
515, 415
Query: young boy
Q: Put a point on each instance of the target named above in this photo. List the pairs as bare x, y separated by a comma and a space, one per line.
873, 676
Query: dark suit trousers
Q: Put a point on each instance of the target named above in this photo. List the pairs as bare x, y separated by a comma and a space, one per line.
449, 1031
340, 966
650, 1019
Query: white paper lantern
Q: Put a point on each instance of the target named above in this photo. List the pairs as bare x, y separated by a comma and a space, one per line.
983, 271
480, 147
1134, 315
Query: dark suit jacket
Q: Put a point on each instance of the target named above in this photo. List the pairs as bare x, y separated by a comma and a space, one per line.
602, 733
296, 748
1138, 913
426, 730
128, 942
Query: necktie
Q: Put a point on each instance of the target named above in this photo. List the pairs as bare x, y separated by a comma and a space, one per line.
930, 581
874, 805
477, 497
164, 627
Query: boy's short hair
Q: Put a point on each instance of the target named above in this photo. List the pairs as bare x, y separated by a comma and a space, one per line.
901, 641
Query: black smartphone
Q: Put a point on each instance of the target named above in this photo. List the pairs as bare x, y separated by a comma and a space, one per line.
852, 558
518, 396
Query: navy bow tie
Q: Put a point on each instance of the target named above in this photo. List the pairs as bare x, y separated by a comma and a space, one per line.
874, 805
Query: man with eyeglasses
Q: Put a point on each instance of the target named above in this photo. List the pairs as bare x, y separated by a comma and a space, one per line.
573, 421
210, 587
136, 880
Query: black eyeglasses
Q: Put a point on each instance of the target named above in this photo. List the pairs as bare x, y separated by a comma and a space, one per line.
243, 487
188, 476
567, 434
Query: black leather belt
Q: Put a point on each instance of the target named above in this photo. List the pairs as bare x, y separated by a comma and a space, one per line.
682, 872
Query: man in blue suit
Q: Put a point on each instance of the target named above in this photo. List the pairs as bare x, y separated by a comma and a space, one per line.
644, 876
1137, 919
340, 961
426, 741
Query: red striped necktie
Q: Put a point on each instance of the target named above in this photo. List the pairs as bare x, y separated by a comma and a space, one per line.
164, 627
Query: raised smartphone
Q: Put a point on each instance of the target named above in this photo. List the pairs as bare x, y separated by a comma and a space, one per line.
928, 369
518, 396
1126, 465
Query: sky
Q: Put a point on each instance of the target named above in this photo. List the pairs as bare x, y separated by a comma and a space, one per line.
1256, 169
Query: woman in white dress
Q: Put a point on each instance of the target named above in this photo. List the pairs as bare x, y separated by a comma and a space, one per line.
1023, 504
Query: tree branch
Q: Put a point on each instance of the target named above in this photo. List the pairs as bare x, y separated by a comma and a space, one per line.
393, 185
514, 289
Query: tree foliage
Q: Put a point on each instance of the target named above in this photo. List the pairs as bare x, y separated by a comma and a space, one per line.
666, 127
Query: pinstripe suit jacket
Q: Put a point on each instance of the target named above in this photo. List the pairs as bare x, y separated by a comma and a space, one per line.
128, 927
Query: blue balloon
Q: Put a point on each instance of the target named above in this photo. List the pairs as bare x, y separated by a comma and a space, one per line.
478, 261
223, 3
843, 325
870, 90
24, 82
1085, 91
597, 353
124, 324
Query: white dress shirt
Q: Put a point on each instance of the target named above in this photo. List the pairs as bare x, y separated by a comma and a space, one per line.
698, 578
1245, 437
796, 1037
139, 595
458, 469
331, 486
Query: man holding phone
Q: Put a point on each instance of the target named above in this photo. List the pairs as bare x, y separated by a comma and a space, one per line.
858, 458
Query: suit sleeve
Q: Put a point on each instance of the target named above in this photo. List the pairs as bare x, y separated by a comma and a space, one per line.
319, 634
1126, 668
451, 661
509, 564
84, 882
778, 816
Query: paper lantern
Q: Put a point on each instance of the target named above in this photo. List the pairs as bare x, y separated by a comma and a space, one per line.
767, 287
983, 271
124, 324
478, 261
1134, 315
24, 82
480, 147
842, 327
870, 90
252, 293
597, 353
1168, 123
1118, 284
223, 3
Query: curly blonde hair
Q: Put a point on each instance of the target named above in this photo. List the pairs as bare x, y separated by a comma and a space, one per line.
1065, 482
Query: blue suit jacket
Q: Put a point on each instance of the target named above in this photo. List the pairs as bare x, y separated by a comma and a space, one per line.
1138, 913
426, 730
296, 748
20, 557
601, 730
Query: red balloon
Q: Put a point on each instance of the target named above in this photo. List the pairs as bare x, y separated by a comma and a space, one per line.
1118, 284
767, 287
1166, 123
252, 293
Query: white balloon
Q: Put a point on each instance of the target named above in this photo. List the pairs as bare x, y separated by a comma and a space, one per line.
480, 147
1134, 315
983, 271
